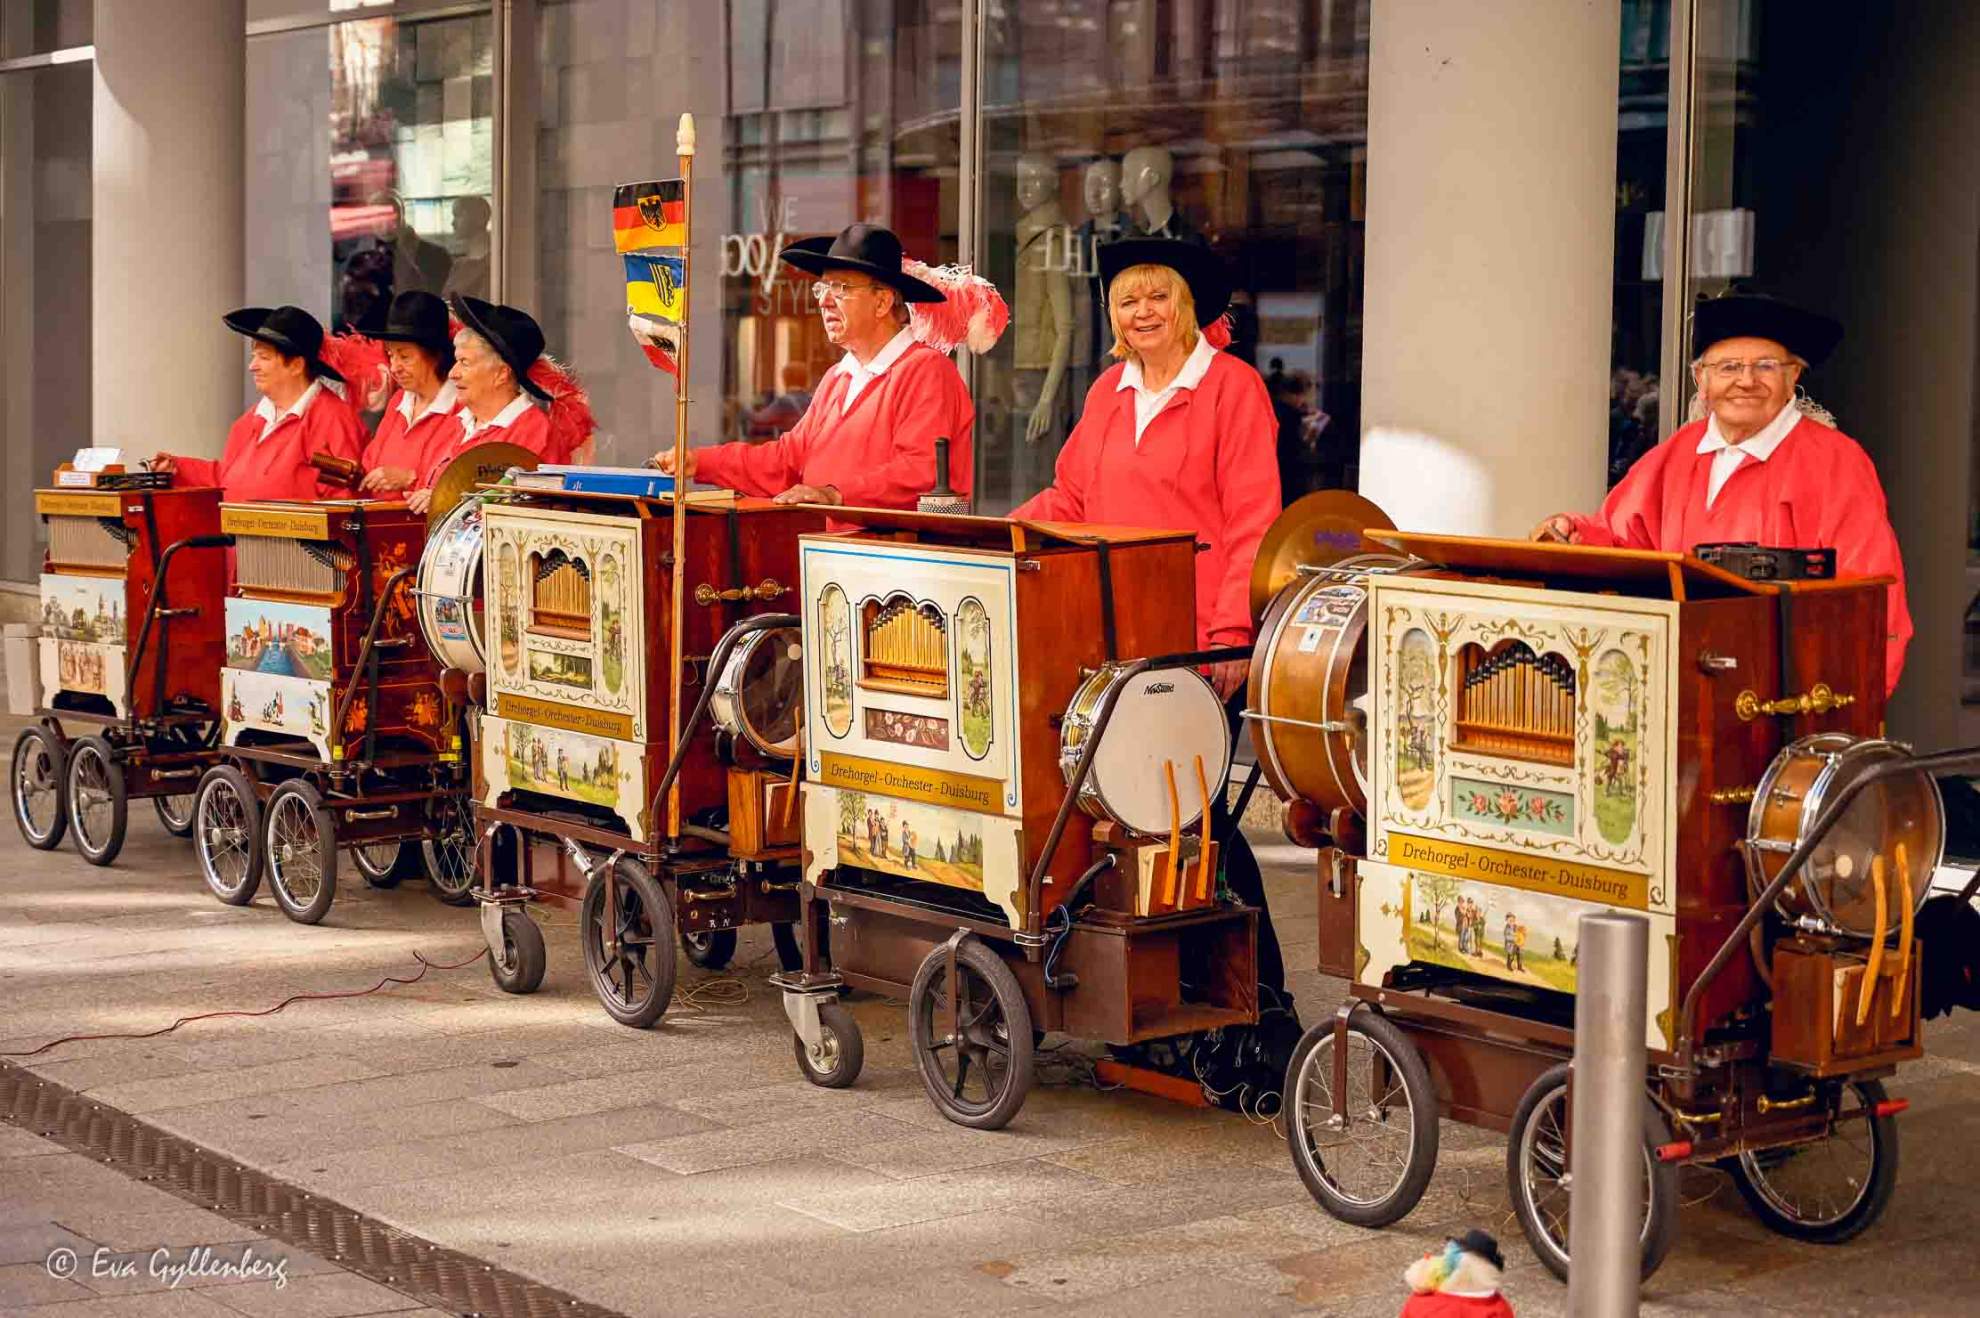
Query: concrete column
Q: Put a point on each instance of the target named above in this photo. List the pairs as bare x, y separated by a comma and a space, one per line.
167, 200
1490, 260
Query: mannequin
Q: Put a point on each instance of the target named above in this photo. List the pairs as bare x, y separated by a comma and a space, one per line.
1105, 221
1146, 173
1043, 323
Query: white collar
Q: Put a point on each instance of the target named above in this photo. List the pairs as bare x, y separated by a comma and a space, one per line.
506, 417
1194, 368
1762, 445
443, 402
270, 418
860, 374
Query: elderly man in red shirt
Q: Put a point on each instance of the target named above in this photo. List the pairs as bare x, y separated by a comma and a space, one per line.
1760, 464
302, 414
868, 436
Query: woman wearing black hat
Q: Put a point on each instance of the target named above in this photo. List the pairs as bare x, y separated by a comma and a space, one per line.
419, 347
1758, 463
302, 413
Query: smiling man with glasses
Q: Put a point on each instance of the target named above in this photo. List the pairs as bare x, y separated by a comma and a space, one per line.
1758, 462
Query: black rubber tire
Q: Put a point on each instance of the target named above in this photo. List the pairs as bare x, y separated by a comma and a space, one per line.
517, 967
844, 1052
181, 826
44, 759
1405, 1061
1748, 1170
790, 949
373, 875
1004, 1009
289, 859
711, 950
227, 817
634, 988
95, 757
1545, 1101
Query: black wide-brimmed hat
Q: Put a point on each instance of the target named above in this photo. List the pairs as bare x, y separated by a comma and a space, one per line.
289, 330
1481, 1243
514, 335
418, 318
1809, 335
1209, 283
867, 248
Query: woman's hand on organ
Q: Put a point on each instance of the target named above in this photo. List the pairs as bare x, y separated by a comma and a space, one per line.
384, 479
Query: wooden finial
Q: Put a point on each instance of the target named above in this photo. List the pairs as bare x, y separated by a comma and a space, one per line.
684, 139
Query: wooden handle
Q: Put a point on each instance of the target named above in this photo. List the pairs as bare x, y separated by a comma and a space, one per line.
1900, 991
1203, 846
341, 470
1877, 945
797, 770
1170, 889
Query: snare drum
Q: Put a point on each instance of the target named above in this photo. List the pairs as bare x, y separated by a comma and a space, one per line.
1309, 685
1169, 716
450, 589
1834, 887
758, 694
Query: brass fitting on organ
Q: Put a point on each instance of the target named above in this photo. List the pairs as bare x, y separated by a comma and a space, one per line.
766, 590
1766, 1105
1818, 699
1731, 795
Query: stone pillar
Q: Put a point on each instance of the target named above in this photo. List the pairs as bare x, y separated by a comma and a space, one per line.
166, 198
1490, 260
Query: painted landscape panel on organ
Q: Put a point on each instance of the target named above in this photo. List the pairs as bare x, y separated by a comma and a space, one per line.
284, 640
87, 609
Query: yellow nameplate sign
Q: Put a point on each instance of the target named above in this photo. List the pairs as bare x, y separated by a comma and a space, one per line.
935, 786
290, 523
63, 503
569, 718
1561, 878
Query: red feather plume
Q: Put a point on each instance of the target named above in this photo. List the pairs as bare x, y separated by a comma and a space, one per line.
1218, 333
361, 361
571, 421
971, 312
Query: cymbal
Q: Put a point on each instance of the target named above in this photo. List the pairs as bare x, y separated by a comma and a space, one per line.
484, 464
1314, 530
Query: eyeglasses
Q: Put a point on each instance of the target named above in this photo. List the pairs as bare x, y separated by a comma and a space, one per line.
834, 291
1765, 369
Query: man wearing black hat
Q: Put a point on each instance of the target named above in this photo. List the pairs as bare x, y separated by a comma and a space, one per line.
868, 437
1758, 463
302, 413
419, 348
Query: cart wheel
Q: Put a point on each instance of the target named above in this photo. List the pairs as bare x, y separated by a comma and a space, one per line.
634, 981
1372, 1166
1536, 1174
40, 774
711, 950
980, 1077
299, 839
836, 1062
449, 858
790, 952
175, 813
99, 810
227, 834
1831, 1190
378, 862
518, 966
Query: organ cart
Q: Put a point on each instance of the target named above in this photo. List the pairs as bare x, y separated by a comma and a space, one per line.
1488, 740
573, 745
124, 551
337, 733
1011, 762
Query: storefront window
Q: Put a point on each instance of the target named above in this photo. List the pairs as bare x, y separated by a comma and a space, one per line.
40, 27
1642, 125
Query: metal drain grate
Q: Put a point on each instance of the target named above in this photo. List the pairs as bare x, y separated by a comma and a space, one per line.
443, 1278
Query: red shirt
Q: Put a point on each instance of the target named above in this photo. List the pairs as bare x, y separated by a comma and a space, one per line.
878, 454
276, 466
1206, 463
1435, 1304
1819, 489
403, 444
521, 422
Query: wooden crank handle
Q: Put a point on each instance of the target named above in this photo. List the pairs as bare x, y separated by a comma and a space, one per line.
1876, 963
1901, 991
1203, 844
1171, 889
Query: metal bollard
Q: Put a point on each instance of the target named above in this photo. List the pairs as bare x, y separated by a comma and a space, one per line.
1605, 1213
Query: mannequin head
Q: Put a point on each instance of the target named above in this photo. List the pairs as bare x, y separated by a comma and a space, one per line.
1102, 188
1145, 173
1037, 181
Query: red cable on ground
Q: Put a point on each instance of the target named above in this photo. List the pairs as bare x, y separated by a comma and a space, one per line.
424, 966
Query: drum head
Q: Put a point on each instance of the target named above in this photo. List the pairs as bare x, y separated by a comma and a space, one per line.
450, 589
767, 677
1315, 530
1169, 717
1900, 811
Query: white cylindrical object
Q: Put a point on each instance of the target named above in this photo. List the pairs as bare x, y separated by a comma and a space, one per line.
1605, 1212
23, 668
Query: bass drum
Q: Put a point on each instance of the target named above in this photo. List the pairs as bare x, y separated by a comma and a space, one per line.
1170, 716
758, 696
1309, 685
450, 589
1835, 886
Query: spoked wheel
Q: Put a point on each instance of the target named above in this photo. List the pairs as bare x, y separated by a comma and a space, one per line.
299, 839
99, 809
1541, 1183
1833, 1189
1370, 1164
449, 858
710, 950
378, 862
519, 963
227, 834
175, 813
841, 1052
978, 1072
40, 771
629, 947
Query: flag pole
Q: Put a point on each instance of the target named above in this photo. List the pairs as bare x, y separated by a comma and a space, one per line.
684, 148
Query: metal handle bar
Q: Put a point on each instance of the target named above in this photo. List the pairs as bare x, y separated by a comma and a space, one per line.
364, 654
157, 607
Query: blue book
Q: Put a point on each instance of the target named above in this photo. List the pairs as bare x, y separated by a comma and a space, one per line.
642, 481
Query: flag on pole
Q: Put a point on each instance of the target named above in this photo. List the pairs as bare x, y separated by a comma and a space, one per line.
650, 233
649, 215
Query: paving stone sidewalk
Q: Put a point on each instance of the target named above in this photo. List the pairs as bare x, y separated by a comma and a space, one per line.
688, 1169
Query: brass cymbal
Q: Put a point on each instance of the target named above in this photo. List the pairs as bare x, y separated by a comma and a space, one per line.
484, 464
1315, 529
